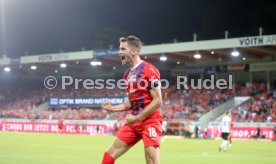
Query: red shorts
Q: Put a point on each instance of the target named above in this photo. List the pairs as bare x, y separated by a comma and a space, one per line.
149, 129
61, 127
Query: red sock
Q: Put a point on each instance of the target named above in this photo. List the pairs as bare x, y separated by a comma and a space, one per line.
108, 159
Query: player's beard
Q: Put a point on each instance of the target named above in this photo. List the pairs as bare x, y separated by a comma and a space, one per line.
126, 59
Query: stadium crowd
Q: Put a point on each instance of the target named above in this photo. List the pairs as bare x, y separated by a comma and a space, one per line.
178, 104
261, 107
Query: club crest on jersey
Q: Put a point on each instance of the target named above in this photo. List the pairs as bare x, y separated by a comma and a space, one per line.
131, 78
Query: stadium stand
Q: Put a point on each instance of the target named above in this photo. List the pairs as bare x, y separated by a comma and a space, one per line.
187, 105
22, 92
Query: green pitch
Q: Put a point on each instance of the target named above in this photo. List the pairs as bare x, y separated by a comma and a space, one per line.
35, 148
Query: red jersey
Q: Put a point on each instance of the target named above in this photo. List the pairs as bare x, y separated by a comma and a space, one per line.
140, 80
60, 124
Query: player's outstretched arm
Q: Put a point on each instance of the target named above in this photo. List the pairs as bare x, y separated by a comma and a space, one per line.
116, 108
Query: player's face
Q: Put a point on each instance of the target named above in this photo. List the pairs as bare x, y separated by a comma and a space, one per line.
125, 53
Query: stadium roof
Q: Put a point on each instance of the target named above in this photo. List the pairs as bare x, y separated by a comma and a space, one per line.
252, 49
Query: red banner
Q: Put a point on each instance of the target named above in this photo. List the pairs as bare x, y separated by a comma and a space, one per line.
242, 132
53, 127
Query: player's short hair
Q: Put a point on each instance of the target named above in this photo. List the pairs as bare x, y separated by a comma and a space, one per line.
132, 41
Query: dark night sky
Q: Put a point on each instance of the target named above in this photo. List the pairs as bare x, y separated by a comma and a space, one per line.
46, 26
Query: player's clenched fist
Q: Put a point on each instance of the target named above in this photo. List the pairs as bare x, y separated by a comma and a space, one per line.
131, 119
106, 106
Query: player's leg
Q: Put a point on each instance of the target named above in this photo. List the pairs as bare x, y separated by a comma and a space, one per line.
152, 154
125, 139
223, 145
117, 149
230, 141
224, 142
152, 137
62, 130
59, 130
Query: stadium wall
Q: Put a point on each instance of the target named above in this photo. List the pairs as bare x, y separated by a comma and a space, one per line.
93, 127
241, 130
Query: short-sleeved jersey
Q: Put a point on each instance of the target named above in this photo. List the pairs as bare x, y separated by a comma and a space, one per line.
226, 124
139, 81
